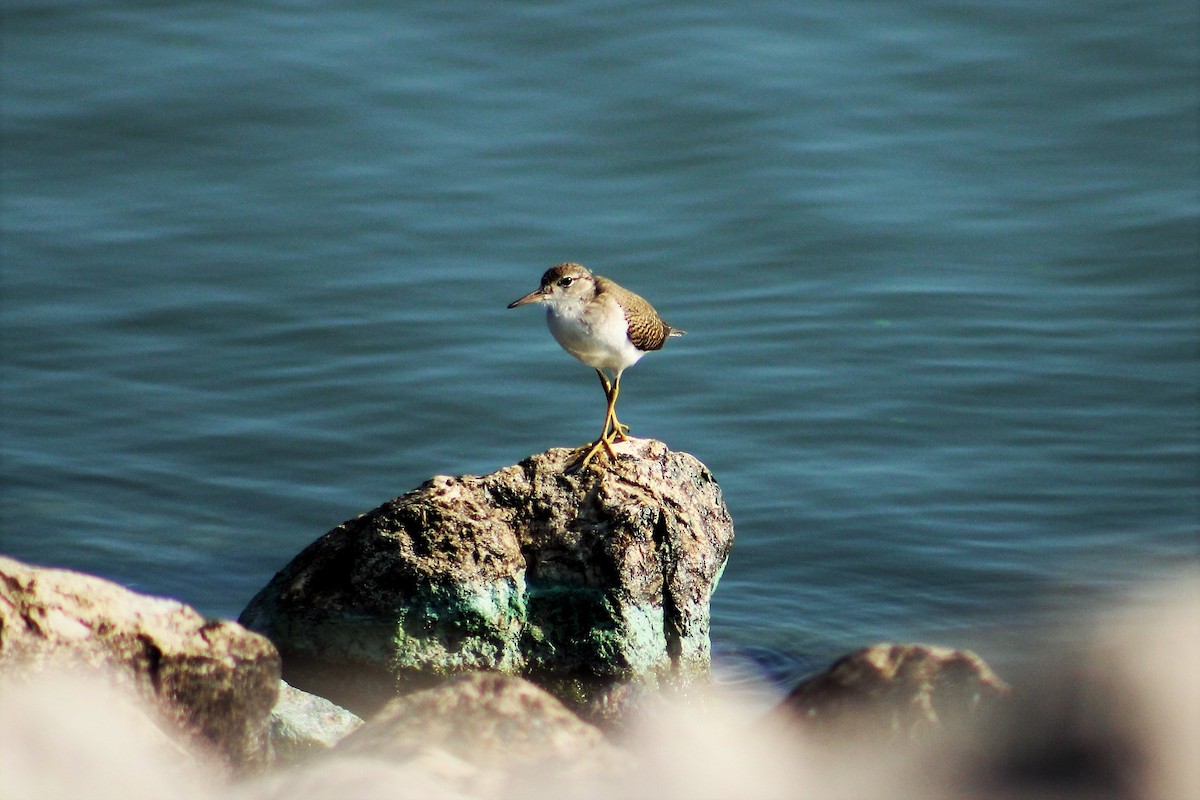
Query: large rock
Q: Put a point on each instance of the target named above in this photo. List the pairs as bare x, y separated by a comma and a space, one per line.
580, 582
212, 680
895, 692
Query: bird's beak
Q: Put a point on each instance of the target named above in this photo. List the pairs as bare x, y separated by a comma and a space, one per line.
536, 296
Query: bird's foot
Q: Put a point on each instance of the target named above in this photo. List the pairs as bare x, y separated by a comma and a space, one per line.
601, 445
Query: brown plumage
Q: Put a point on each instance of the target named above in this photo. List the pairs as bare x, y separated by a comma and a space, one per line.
647, 330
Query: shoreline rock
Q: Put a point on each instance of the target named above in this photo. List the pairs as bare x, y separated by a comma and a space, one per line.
583, 583
1114, 718
500, 725
303, 725
212, 680
894, 693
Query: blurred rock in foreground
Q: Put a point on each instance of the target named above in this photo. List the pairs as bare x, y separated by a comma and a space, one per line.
891, 692
583, 583
211, 679
1116, 718
493, 729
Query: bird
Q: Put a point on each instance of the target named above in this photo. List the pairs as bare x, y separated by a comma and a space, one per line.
606, 327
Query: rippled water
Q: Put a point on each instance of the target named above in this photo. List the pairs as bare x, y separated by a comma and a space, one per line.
938, 264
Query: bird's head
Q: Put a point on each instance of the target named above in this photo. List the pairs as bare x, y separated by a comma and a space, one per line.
562, 285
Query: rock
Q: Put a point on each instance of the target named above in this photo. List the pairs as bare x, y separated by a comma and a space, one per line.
499, 725
580, 582
303, 724
894, 692
210, 679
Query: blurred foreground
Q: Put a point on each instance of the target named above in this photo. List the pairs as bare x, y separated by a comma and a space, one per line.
1118, 719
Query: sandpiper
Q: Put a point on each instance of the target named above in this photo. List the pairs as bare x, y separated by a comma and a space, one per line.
606, 327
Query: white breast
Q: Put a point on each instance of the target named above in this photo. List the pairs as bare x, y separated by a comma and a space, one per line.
595, 334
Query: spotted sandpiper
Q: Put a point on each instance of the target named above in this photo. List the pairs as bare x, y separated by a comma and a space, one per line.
606, 327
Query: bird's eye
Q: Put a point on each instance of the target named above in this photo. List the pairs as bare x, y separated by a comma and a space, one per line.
565, 282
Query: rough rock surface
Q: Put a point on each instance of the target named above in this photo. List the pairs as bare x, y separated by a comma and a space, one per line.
303, 724
896, 692
211, 679
579, 582
488, 727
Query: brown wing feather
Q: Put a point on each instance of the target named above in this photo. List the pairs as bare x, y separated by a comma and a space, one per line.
647, 331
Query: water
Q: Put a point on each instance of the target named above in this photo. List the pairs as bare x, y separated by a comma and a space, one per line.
938, 264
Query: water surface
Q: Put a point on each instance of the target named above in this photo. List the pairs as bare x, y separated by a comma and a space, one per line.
938, 264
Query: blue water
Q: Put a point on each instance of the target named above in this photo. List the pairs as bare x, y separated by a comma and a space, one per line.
939, 264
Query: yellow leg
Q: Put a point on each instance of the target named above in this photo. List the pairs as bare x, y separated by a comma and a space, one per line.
619, 428
612, 430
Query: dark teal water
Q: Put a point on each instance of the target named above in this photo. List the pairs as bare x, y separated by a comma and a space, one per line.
939, 265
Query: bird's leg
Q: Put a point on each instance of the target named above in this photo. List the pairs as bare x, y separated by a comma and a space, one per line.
603, 443
604, 382
611, 429
611, 390
620, 429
